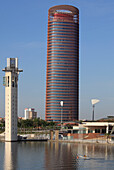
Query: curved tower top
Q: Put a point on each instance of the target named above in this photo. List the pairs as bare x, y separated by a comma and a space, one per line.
64, 9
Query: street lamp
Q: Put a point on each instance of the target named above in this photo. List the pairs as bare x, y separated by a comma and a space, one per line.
94, 101
61, 104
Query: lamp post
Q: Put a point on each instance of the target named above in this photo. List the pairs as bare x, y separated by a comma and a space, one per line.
93, 112
61, 103
94, 101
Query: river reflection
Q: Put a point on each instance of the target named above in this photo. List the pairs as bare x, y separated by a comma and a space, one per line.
60, 156
55, 156
10, 159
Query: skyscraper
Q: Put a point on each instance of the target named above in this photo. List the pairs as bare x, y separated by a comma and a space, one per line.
62, 73
10, 81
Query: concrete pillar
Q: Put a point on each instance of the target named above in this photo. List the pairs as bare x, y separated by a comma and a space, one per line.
107, 128
56, 134
51, 134
93, 130
100, 130
87, 130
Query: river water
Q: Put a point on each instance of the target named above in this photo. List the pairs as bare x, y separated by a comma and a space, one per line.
55, 156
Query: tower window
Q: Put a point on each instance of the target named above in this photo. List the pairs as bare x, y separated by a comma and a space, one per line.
8, 81
13, 82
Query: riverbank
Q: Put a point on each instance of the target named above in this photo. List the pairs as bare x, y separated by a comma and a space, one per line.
65, 141
90, 141
46, 137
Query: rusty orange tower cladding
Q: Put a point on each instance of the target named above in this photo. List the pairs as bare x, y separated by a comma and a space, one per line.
62, 74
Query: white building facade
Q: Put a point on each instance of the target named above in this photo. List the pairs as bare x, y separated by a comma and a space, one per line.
30, 113
94, 127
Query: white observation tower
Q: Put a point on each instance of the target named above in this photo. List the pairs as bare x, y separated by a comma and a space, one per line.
10, 81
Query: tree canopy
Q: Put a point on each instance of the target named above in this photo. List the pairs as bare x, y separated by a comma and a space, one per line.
36, 123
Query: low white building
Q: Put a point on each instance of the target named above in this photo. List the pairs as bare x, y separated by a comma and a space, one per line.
99, 127
94, 127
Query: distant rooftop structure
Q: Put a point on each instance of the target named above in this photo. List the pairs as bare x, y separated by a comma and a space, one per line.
110, 117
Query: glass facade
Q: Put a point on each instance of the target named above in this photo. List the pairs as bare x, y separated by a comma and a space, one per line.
62, 76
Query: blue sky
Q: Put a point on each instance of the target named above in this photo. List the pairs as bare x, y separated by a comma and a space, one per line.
23, 34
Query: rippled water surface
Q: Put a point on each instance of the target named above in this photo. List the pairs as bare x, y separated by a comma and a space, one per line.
55, 156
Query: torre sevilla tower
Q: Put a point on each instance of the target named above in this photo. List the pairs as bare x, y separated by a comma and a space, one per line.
62, 73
